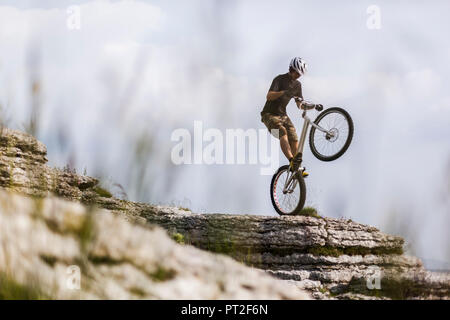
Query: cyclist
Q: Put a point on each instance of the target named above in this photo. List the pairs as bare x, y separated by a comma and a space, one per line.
284, 87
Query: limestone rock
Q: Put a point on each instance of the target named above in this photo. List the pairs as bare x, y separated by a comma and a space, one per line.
41, 239
330, 258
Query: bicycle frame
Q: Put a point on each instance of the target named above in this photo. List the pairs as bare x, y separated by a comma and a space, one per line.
288, 187
305, 130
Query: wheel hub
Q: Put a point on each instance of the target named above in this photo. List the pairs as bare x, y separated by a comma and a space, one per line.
332, 135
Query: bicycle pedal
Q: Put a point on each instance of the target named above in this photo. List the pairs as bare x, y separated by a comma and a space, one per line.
304, 173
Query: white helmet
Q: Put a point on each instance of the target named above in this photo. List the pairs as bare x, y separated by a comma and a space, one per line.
299, 65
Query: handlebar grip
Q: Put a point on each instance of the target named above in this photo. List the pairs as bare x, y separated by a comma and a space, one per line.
319, 107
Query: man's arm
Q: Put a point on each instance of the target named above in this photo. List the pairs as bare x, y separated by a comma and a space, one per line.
274, 91
292, 92
274, 95
299, 96
299, 102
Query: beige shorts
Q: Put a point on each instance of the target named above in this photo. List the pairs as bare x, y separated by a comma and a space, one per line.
282, 123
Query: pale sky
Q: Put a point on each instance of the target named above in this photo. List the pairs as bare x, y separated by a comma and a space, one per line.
160, 65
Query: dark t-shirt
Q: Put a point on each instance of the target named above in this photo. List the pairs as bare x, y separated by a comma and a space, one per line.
280, 83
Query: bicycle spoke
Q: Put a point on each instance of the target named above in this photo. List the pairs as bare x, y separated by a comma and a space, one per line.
335, 123
287, 202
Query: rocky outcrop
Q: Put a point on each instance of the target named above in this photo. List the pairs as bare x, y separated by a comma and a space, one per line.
330, 258
44, 241
23, 169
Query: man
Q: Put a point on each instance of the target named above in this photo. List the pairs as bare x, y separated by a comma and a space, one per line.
284, 87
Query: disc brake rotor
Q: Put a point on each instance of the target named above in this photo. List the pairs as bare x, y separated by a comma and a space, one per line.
332, 135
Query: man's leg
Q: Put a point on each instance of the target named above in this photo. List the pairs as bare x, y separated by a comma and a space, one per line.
291, 134
294, 146
274, 122
285, 147
293, 141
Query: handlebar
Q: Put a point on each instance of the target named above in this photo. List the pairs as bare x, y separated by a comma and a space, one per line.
310, 106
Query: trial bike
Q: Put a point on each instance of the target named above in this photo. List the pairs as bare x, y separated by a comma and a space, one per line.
330, 136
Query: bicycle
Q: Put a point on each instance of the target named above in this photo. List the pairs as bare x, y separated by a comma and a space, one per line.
327, 134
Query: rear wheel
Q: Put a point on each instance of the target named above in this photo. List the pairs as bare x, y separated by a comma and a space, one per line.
330, 145
291, 200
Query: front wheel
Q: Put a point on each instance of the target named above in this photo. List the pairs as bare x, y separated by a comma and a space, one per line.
287, 199
330, 145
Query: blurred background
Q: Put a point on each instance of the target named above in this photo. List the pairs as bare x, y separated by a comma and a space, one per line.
104, 84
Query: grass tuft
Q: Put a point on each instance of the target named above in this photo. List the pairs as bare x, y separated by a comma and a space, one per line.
137, 292
162, 274
12, 290
393, 288
310, 212
102, 192
178, 237
87, 231
352, 251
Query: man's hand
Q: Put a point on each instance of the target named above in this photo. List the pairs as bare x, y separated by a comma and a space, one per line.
299, 102
309, 106
290, 92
